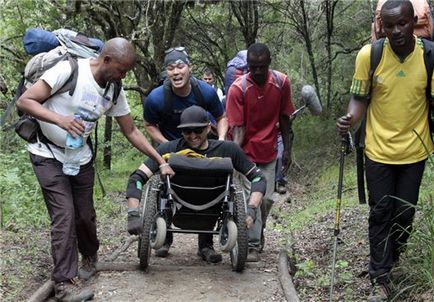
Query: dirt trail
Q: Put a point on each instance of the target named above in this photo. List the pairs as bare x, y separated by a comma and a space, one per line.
184, 276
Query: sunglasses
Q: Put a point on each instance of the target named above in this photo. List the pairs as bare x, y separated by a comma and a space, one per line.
188, 131
179, 48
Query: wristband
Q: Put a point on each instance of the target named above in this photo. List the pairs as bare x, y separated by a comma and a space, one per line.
163, 165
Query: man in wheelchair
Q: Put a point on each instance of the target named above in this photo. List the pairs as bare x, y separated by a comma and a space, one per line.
195, 126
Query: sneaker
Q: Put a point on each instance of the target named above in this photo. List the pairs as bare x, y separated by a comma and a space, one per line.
163, 251
70, 291
281, 189
380, 293
209, 255
253, 255
135, 225
88, 267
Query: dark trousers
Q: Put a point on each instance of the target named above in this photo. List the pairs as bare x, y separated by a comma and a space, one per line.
69, 201
393, 193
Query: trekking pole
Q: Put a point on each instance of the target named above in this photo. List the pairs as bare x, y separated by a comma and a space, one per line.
346, 146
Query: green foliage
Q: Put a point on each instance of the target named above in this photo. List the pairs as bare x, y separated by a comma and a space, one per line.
14, 21
306, 268
21, 200
416, 270
316, 149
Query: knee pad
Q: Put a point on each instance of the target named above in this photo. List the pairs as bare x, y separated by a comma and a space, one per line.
135, 183
257, 180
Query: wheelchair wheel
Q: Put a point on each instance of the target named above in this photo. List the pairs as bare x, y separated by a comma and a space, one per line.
148, 214
158, 233
228, 236
239, 252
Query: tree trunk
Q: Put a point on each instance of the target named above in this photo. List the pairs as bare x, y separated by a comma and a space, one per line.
329, 8
247, 15
107, 142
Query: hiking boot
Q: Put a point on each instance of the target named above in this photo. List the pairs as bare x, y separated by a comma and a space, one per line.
163, 251
70, 291
88, 267
135, 225
209, 255
253, 255
281, 189
380, 293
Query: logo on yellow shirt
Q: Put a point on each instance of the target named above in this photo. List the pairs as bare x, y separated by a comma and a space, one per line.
401, 74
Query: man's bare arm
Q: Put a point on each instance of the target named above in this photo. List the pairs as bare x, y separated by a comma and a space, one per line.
138, 140
356, 110
238, 134
155, 133
222, 127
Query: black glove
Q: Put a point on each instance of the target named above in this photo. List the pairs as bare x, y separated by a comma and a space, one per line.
135, 225
252, 212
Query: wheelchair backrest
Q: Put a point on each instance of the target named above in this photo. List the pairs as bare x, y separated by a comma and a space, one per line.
199, 180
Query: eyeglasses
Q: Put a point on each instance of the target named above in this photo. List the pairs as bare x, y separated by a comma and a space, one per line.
188, 131
179, 48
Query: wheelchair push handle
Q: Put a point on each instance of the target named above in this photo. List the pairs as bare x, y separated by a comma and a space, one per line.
169, 188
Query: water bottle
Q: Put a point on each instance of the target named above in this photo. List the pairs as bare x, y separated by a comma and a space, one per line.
88, 116
73, 149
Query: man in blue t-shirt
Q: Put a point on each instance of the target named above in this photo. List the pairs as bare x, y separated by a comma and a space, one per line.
165, 104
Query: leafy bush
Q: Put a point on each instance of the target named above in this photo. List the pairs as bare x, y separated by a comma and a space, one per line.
416, 270
21, 202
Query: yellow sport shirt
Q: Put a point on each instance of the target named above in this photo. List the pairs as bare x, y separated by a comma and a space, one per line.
398, 107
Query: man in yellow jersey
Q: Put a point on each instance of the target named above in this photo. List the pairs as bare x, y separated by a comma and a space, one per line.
395, 156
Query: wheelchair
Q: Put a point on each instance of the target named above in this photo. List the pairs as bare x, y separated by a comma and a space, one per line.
200, 198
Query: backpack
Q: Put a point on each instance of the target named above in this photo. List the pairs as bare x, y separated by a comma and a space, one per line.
69, 49
376, 54
236, 68
423, 28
